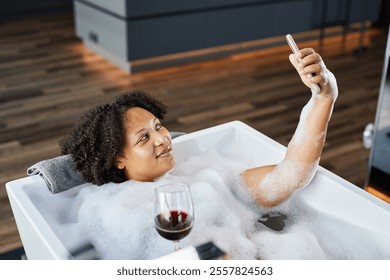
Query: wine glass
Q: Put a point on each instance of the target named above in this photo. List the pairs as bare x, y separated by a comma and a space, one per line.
173, 212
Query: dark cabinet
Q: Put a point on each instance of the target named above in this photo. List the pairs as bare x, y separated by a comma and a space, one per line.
127, 31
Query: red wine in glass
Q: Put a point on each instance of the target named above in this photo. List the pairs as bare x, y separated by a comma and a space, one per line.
174, 225
173, 212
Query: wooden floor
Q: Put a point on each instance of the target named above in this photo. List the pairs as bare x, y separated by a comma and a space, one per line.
48, 79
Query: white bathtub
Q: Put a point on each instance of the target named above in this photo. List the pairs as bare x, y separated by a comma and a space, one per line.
327, 194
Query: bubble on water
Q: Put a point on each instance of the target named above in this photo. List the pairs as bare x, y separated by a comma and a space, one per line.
341, 239
296, 242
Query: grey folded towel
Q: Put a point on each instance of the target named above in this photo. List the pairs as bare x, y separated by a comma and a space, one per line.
58, 173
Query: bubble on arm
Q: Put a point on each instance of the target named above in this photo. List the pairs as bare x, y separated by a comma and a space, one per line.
283, 180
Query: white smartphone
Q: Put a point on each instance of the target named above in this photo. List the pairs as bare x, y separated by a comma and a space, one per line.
294, 48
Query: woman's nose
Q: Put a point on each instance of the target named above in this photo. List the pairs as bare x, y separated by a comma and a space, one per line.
159, 138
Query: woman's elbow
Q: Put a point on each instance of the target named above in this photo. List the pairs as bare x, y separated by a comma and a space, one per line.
277, 186
272, 197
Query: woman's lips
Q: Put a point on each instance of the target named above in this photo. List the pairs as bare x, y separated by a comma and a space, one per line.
166, 153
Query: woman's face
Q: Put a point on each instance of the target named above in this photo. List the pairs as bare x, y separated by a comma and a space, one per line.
147, 152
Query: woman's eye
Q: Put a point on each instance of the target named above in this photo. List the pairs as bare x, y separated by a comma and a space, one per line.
158, 126
143, 137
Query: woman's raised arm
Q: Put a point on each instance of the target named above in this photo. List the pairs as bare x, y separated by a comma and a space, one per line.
274, 184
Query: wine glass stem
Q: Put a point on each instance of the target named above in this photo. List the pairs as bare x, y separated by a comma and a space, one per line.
176, 244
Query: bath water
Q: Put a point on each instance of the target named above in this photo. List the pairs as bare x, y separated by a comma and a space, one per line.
118, 219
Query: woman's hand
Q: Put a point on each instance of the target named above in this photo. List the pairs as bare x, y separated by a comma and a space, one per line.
307, 62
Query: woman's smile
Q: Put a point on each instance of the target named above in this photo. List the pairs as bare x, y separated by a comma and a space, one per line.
166, 153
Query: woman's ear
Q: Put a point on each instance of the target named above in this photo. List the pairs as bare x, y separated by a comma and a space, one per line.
119, 163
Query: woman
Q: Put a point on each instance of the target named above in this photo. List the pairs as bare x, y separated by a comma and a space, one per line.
125, 140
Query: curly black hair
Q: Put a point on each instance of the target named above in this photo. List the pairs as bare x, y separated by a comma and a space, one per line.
98, 138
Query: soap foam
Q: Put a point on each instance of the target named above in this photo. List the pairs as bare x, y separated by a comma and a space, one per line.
118, 219
286, 177
296, 242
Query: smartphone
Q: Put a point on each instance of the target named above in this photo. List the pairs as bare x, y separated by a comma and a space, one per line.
294, 48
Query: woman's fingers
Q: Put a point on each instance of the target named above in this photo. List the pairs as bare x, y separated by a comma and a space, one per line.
311, 63
294, 60
311, 59
314, 69
310, 66
318, 80
305, 52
